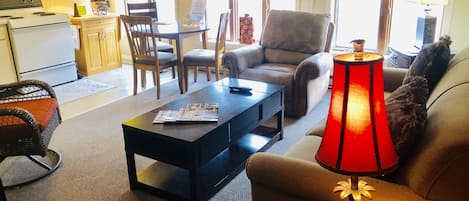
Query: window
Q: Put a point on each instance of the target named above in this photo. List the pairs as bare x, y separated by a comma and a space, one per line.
379, 22
404, 21
255, 8
166, 10
357, 21
214, 8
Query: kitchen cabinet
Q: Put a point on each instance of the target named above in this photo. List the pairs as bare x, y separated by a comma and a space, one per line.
7, 67
99, 48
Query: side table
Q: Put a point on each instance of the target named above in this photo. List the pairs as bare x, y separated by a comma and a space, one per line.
402, 57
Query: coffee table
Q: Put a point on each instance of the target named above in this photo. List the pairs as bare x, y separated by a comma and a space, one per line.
194, 161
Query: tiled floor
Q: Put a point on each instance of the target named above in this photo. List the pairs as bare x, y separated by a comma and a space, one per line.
121, 78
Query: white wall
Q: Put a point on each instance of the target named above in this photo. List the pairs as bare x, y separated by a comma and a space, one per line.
455, 23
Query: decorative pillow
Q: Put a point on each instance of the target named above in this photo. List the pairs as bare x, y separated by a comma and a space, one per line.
431, 62
406, 113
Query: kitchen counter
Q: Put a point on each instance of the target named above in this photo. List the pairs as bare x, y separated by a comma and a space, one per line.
93, 17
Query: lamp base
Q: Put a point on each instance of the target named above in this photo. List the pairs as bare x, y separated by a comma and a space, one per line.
354, 189
426, 27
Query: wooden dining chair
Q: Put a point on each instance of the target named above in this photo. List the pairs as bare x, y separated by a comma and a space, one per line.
148, 8
206, 57
145, 57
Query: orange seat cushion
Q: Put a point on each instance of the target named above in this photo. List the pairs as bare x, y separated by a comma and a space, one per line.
12, 128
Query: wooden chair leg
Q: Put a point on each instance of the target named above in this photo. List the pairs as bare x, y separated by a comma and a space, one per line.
135, 80
173, 71
143, 78
186, 77
209, 77
196, 70
217, 72
157, 75
153, 75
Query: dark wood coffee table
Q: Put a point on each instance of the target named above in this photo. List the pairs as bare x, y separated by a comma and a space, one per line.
194, 161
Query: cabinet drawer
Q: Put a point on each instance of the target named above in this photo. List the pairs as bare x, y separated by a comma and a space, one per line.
99, 23
3, 32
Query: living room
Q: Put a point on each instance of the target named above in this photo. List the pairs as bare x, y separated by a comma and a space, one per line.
96, 171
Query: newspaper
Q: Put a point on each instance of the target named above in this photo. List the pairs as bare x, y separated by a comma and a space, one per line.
192, 113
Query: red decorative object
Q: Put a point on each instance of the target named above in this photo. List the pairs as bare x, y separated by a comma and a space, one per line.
356, 140
246, 30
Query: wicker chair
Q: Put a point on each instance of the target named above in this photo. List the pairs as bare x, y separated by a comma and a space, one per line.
29, 114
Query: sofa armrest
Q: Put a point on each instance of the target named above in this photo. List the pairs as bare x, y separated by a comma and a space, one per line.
319, 129
393, 78
237, 60
287, 178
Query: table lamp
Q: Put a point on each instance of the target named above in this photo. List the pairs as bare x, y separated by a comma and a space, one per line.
426, 24
357, 141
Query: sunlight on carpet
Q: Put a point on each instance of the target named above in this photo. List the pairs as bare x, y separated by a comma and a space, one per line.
78, 89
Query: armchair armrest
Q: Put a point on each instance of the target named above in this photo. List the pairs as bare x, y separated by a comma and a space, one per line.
393, 78
287, 178
313, 67
239, 59
9, 117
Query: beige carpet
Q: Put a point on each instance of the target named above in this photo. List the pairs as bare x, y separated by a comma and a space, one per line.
94, 166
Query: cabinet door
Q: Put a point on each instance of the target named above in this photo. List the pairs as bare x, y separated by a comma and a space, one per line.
110, 46
95, 62
7, 69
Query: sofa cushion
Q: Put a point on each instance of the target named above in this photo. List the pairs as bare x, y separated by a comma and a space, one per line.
14, 128
273, 73
406, 113
431, 62
306, 32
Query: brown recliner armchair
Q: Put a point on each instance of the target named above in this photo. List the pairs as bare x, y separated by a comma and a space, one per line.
293, 51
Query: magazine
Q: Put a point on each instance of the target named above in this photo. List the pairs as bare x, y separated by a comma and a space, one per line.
192, 113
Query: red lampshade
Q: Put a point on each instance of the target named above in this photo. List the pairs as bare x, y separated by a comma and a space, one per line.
357, 139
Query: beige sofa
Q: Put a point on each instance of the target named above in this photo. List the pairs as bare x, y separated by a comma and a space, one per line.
436, 170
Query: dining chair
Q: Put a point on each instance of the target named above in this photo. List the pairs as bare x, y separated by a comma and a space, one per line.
195, 58
145, 57
148, 8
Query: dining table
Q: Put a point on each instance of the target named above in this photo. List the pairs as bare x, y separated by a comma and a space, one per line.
177, 32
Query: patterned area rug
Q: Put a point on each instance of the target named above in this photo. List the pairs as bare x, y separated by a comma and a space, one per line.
78, 89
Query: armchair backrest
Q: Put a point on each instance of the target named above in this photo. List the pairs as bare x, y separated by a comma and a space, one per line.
291, 36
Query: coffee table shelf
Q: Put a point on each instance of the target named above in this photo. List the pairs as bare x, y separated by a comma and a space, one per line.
214, 175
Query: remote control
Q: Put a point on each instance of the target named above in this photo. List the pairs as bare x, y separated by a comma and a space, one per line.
240, 89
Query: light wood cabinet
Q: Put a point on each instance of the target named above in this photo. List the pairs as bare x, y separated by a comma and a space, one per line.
7, 68
99, 44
